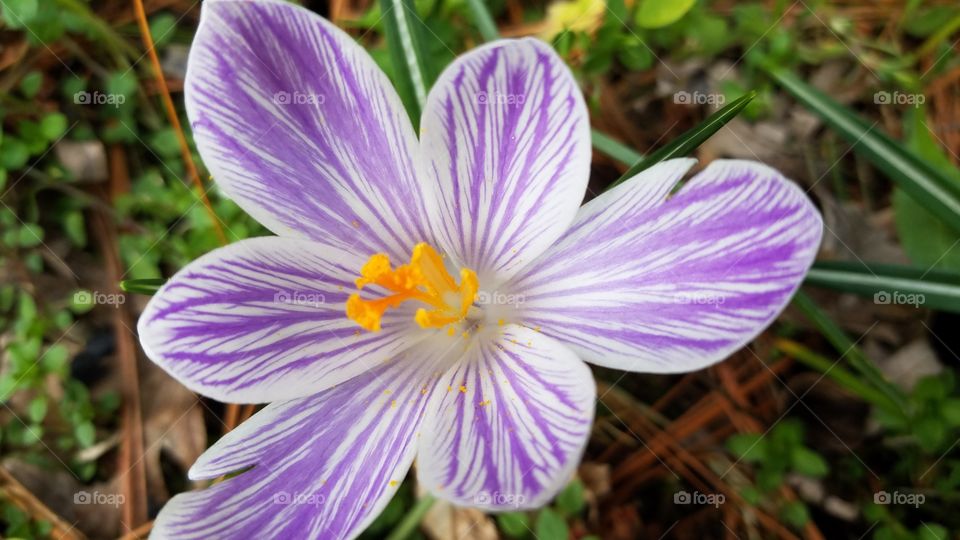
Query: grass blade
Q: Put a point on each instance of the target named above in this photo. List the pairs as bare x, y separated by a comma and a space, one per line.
840, 375
848, 349
483, 20
925, 184
412, 520
142, 286
614, 148
413, 75
690, 140
937, 289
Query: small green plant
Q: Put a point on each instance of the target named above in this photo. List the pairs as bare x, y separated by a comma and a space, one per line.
776, 454
549, 523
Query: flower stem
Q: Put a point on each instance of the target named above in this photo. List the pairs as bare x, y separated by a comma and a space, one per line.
413, 519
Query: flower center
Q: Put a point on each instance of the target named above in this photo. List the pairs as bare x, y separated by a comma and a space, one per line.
425, 279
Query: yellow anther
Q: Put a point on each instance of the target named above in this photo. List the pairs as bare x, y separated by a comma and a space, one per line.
425, 279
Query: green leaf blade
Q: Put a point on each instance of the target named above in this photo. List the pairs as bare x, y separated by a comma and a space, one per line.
924, 183
891, 284
402, 27
690, 140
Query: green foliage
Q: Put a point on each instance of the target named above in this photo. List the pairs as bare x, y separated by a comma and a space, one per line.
514, 524
17, 524
774, 455
163, 27
549, 522
551, 526
52, 126
18, 13
927, 240
660, 13
795, 513
570, 501
933, 422
925, 183
918, 286
30, 84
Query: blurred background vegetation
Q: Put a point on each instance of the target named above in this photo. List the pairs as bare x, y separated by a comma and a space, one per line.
841, 421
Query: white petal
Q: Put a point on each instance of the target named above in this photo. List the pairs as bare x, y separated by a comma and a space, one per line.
264, 319
647, 283
506, 137
301, 128
510, 427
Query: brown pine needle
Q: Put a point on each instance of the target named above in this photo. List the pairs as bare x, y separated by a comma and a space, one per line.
173, 117
232, 413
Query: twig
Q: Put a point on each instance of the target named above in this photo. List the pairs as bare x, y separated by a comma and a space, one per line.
140, 532
21, 497
173, 117
232, 410
133, 482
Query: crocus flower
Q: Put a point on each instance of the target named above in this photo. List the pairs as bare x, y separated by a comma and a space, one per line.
435, 298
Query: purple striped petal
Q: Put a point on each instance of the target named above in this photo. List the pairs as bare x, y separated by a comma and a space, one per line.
322, 466
506, 136
510, 427
645, 284
263, 319
302, 129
